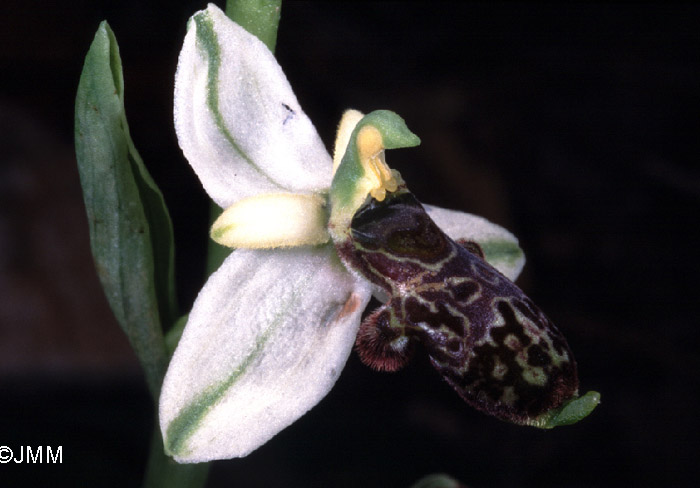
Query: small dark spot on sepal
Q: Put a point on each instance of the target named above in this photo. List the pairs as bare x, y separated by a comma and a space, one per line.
290, 113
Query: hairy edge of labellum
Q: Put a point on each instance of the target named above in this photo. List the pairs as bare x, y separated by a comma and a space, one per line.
380, 346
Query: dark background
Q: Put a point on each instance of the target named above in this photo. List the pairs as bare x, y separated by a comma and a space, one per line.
574, 126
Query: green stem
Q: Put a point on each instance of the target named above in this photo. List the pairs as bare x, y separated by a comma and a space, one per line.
259, 17
164, 472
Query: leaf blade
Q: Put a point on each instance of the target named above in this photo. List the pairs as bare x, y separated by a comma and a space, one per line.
119, 196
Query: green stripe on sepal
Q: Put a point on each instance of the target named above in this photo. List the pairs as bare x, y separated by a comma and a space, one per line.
191, 417
226, 83
502, 253
208, 41
266, 339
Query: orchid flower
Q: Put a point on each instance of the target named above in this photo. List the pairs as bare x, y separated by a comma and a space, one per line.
315, 237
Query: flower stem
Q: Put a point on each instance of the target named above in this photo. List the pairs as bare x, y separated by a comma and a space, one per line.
164, 472
259, 17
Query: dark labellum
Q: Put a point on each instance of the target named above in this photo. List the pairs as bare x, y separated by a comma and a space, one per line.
485, 337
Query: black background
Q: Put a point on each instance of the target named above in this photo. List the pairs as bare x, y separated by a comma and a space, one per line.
574, 126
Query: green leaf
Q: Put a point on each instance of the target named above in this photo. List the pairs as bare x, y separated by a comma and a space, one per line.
130, 230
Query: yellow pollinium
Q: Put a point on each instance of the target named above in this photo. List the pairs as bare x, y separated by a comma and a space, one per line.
371, 152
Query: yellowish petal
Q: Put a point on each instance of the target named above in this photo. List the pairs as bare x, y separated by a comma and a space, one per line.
273, 220
347, 124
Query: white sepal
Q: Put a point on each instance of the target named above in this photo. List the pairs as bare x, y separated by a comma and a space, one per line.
237, 120
267, 338
500, 246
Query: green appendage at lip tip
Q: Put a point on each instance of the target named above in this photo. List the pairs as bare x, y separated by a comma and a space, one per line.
570, 413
